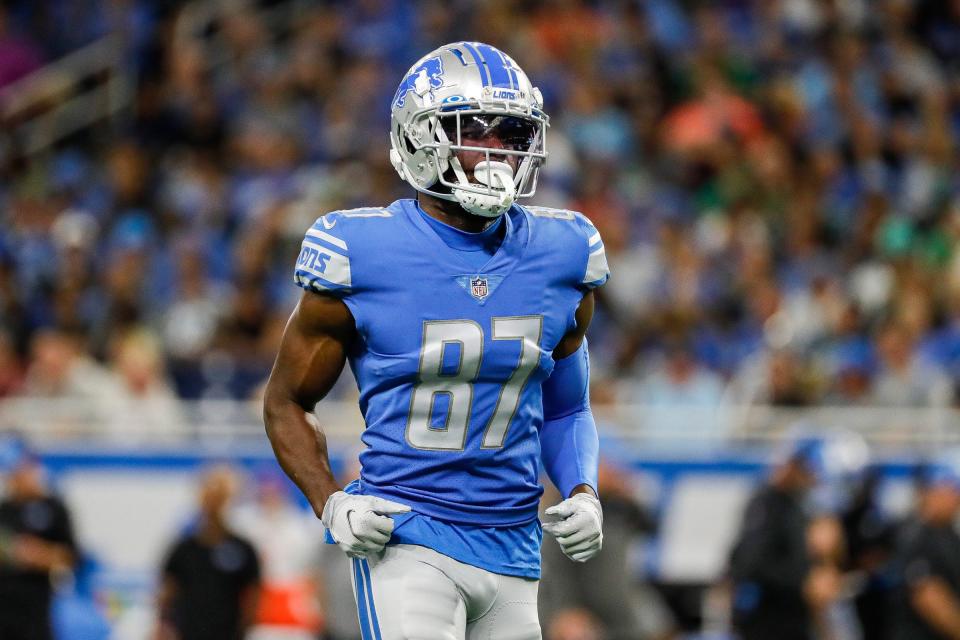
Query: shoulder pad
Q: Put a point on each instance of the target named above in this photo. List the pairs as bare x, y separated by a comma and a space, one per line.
323, 265
595, 271
331, 220
549, 212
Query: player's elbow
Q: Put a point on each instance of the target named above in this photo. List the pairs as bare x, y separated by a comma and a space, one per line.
282, 407
269, 415
276, 405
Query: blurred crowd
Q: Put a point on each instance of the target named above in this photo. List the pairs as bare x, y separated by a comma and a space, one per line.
775, 181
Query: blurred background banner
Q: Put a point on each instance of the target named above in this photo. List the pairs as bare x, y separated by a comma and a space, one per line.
777, 185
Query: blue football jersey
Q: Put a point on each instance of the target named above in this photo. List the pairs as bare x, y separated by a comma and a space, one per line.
449, 358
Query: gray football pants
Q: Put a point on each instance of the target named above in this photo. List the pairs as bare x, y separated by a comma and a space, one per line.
409, 592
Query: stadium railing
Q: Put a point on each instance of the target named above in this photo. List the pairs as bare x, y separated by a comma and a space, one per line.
129, 471
86, 87
173, 421
95, 83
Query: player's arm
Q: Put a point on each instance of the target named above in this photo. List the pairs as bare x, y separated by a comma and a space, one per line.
249, 606
934, 601
569, 443
55, 551
575, 337
312, 355
569, 440
165, 596
929, 590
36, 553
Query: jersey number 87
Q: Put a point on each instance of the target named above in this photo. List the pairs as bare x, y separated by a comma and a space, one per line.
457, 386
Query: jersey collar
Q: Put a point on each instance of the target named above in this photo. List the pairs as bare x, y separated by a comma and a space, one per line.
515, 239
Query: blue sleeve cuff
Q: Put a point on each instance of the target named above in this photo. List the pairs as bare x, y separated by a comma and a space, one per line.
569, 444
570, 450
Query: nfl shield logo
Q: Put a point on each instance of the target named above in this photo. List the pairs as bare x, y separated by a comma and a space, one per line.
479, 288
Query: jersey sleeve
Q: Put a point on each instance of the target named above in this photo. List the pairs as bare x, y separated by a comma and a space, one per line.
596, 271
323, 265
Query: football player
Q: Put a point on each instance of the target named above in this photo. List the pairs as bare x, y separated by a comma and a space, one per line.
462, 315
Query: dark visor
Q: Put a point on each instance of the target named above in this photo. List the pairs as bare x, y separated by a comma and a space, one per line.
514, 133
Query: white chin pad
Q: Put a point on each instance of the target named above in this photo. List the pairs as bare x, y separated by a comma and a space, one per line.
499, 176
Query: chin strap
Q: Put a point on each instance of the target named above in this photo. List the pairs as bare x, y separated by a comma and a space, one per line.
499, 177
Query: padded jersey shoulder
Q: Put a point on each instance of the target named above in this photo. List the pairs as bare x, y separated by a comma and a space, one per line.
570, 233
334, 244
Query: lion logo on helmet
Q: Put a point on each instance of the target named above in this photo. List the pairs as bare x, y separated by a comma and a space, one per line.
423, 79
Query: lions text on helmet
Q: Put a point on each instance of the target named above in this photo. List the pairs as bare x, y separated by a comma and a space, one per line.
468, 126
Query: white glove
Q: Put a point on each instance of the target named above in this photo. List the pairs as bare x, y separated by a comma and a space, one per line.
579, 531
359, 524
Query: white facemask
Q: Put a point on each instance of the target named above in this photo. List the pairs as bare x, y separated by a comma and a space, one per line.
498, 176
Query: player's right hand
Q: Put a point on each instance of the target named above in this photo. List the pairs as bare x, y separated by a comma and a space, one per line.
360, 524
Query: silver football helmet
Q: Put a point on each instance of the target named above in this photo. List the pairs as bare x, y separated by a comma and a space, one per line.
451, 100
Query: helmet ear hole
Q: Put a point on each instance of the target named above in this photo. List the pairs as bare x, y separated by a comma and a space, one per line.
423, 168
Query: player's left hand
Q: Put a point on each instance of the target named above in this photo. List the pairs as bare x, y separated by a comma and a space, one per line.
579, 532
